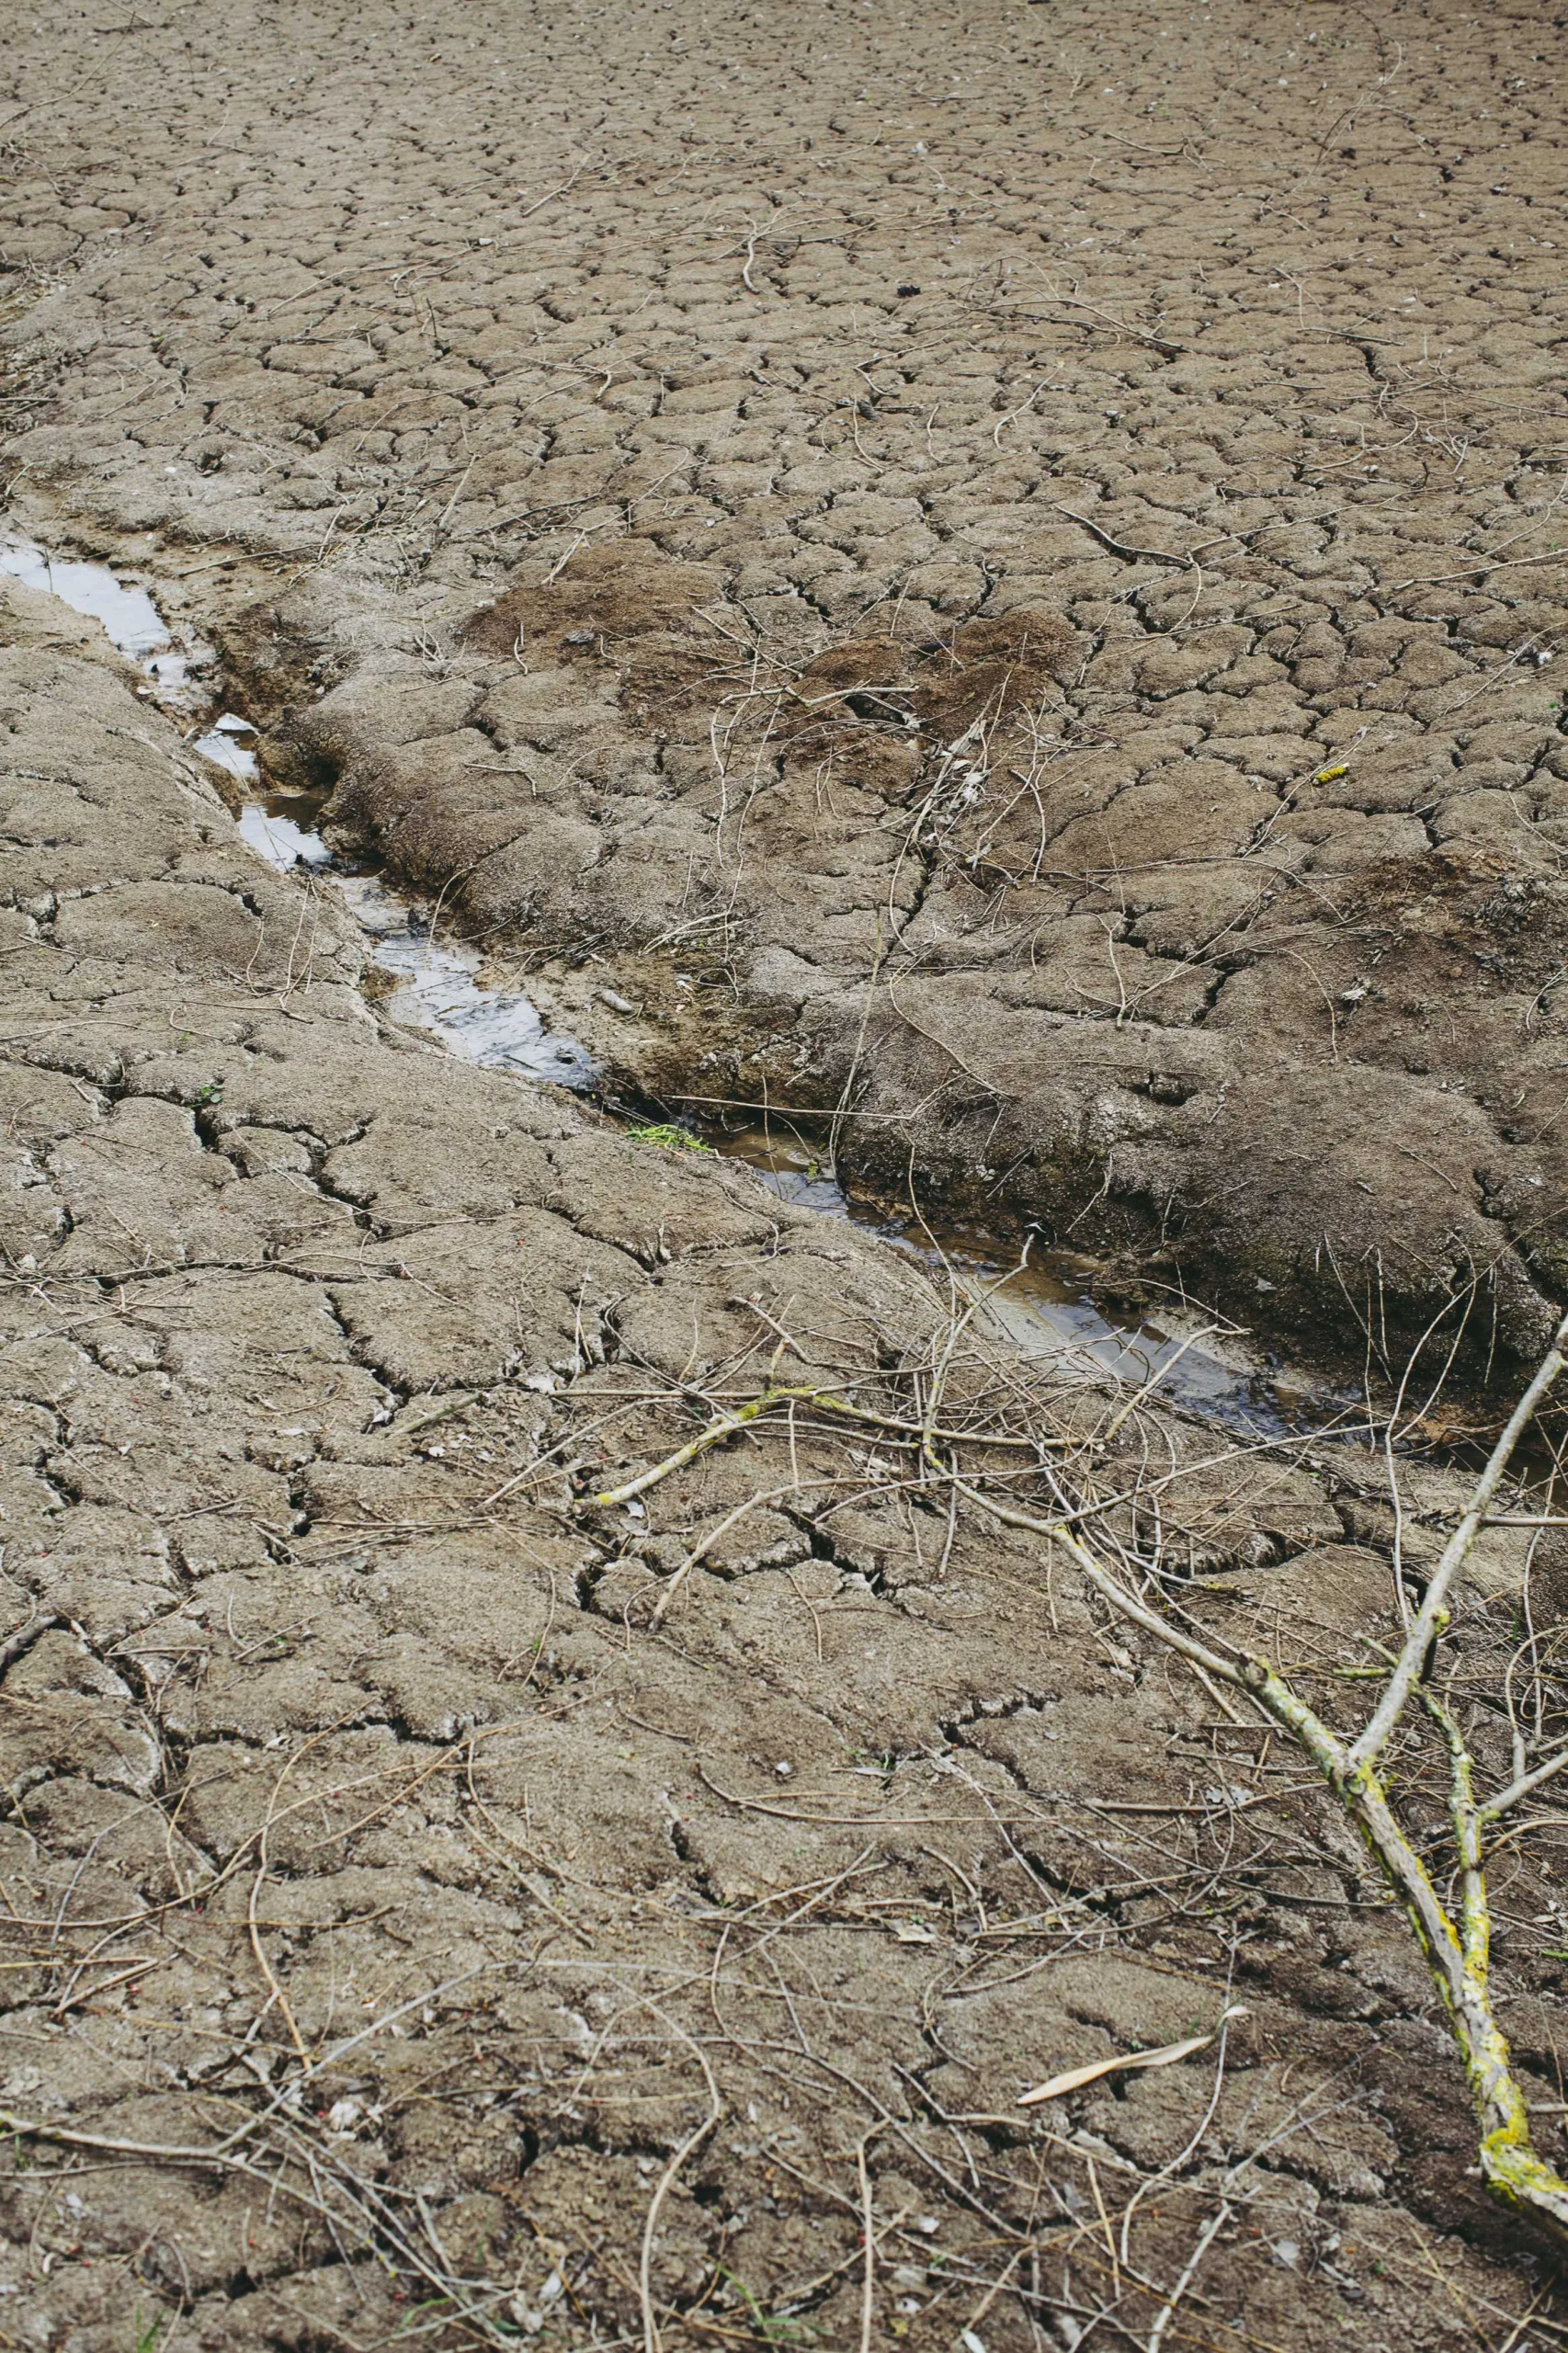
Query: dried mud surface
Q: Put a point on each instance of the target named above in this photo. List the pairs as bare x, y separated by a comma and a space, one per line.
623, 455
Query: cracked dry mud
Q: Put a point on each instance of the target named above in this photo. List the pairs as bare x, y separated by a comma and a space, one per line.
995, 572
1167, 417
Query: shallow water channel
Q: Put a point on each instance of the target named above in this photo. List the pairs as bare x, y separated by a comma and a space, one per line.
1045, 1308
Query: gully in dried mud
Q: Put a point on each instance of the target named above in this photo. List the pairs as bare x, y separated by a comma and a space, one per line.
1044, 1304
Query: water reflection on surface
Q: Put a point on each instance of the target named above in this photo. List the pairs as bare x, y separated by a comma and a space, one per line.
279, 840
223, 744
1044, 1304
437, 979
130, 618
439, 989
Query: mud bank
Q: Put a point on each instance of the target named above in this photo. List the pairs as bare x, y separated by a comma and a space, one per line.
1324, 1115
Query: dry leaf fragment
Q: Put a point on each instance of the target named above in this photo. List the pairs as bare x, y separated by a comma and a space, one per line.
1076, 2077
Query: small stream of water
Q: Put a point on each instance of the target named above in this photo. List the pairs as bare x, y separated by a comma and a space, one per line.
1046, 1308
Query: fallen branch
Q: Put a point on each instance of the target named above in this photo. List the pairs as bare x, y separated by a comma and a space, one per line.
728, 1424
1456, 1950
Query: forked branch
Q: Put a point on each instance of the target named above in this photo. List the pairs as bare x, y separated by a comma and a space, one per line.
1456, 1950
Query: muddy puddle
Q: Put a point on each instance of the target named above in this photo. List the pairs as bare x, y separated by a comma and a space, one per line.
1045, 1306
130, 616
1042, 1298
437, 984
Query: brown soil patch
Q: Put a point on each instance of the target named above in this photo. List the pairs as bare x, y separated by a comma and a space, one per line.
624, 590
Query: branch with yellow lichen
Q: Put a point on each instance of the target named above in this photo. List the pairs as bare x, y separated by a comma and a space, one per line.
1456, 1949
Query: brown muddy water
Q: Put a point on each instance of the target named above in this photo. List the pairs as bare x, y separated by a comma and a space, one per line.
1042, 1300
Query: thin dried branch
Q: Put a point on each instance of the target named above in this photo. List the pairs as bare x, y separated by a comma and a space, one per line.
1432, 1617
